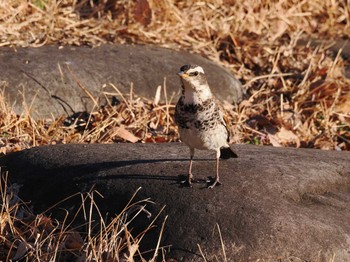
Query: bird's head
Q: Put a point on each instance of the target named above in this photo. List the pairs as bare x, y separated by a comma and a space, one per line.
193, 75
194, 80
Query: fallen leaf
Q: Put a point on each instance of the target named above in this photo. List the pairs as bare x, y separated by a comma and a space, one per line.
132, 251
153, 125
280, 29
22, 250
286, 136
160, 139
143, 12
74, 241
323, 143
274, 140
245, 103
344, 107
125, 134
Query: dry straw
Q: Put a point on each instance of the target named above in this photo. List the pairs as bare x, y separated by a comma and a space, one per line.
297, 94
29, 237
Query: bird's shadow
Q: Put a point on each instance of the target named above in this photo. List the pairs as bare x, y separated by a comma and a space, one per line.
182, 181
87, 171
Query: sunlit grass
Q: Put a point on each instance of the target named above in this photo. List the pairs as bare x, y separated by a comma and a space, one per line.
40, 237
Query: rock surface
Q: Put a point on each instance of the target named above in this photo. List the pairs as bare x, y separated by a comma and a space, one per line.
274, 203
55, 79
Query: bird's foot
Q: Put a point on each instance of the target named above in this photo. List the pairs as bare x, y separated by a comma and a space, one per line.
187, 182
214, 184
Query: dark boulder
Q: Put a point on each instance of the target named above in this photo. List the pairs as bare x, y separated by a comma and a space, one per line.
275, 204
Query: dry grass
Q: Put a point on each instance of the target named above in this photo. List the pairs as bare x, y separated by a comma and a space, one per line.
30, 237
127, 118
283, 110
297, 95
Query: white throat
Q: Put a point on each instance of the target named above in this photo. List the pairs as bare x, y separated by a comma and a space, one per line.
196, 95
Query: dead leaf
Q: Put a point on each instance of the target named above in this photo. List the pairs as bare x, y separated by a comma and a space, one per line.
160, 139
74, 241
46, 224
286, 136
323, 143
260, 121
245, 103
125, 134
280, 29
22, 250
344, 107
143, 12
3, 150
132, 251
153, 125
274, 140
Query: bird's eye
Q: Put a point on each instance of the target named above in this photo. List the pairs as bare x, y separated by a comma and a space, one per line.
194, 73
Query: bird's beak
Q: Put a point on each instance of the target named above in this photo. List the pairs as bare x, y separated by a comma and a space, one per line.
182, 74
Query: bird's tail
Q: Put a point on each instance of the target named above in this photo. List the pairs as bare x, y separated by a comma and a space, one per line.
227, 152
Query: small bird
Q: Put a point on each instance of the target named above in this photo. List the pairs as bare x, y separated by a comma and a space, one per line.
200, 120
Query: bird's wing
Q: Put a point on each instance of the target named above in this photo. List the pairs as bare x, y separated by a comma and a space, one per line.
227, 125
224, 118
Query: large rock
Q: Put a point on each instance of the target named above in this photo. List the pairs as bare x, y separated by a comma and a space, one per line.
54, 79
274, 203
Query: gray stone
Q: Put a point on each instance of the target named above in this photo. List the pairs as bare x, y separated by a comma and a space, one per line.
54, 79
275, 203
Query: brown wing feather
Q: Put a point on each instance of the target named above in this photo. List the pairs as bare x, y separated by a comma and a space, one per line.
224, 119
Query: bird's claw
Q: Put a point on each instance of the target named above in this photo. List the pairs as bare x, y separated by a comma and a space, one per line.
187, 182
215, 183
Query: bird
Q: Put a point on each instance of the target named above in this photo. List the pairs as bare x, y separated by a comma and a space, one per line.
200, 120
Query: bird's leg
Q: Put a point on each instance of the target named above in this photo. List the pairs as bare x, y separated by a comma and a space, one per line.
217, 180
190, 176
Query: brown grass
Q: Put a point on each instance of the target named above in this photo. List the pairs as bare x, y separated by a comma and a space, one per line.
297, 95
27, 236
